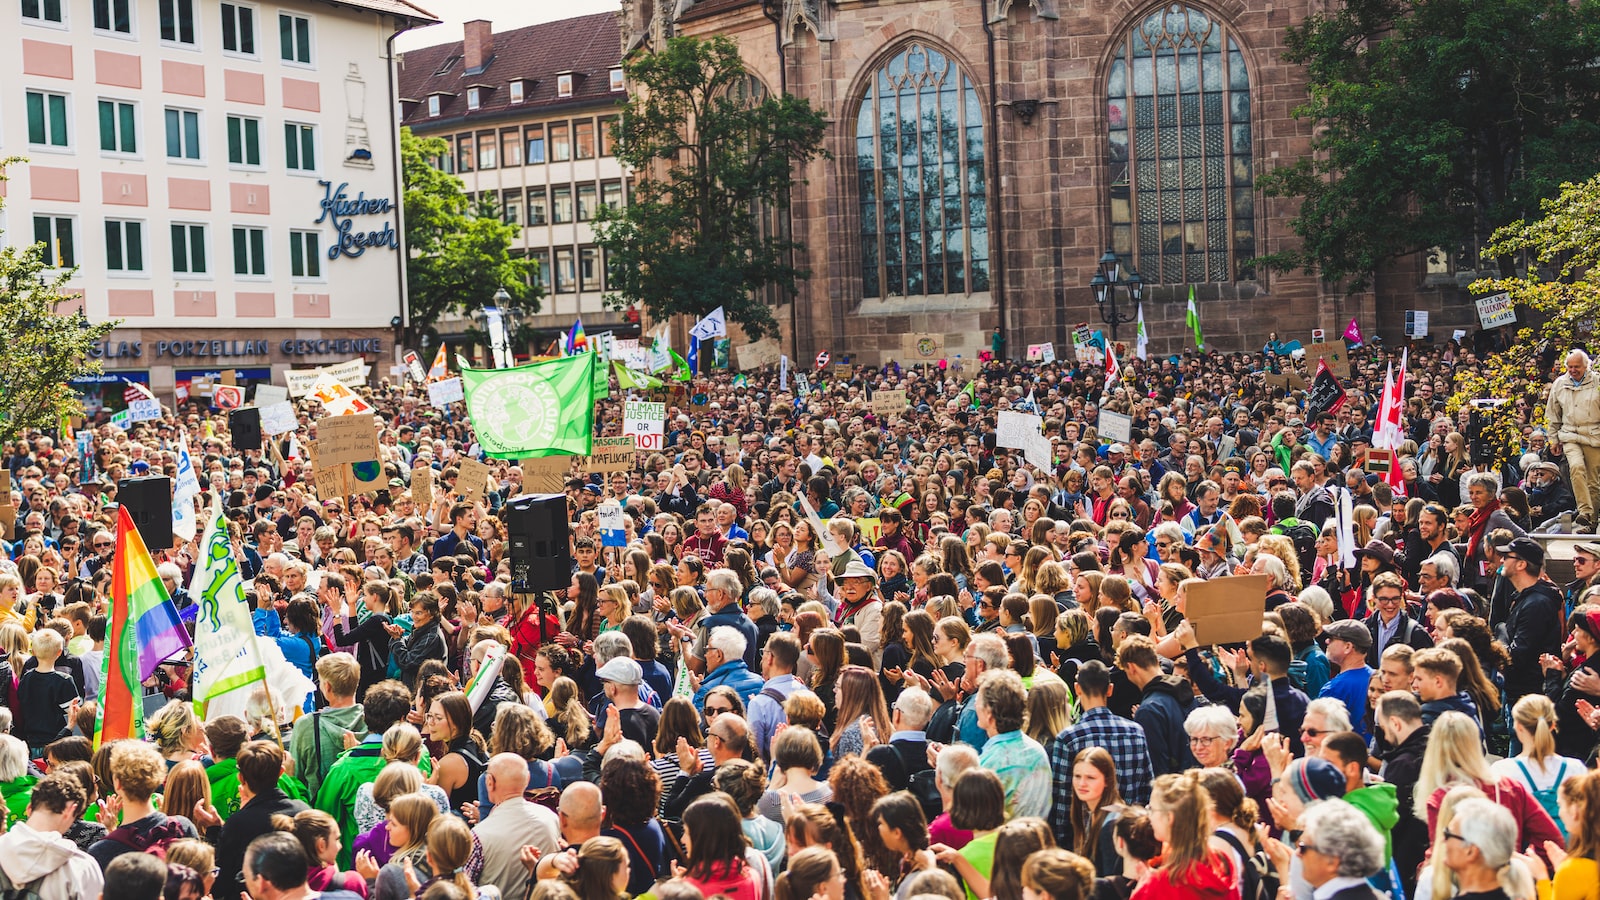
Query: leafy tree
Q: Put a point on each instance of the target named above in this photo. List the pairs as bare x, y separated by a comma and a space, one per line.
44, 349
1438, 122
460, 253
709, 159
1558, 301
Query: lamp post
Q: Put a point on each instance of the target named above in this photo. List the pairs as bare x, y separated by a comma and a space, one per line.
1110, 276
495, 329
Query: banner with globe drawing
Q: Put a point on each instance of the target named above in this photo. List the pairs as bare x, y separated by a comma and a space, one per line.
541, 409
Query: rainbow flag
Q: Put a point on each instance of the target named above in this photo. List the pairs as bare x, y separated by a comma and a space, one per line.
142, 633
576, 340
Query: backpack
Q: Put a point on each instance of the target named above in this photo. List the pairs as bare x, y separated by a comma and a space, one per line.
925, 788
1547, 797
1304, 537
10, 890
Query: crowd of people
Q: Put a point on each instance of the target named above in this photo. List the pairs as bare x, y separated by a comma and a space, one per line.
841, 653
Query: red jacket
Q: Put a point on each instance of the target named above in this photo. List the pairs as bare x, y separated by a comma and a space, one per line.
1212, 879
1534, 825
525, 636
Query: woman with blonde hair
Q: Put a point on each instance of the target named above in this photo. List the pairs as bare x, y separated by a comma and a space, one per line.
1116, 592
1455, 756
1180, 817
1538, 767
449, 849
1050, 709
613, 605
1283, 548
188, 793
177, 732
1577, 876
401, 776
568, 720
406, 828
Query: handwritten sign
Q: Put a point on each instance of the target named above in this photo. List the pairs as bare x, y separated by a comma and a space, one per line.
764, 352
1114, 426
301, 381
612, 454
1037, 452
1012, 429
645, 422
473, 480
888, 403
331, 481
422, 488
278, 418
1334, 352
1496, 310
268, 394
925, 347
346, 439
613, 531
1044, 353
545, 474
143, 410
445, 391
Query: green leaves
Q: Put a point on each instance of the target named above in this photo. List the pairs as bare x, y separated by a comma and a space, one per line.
44, 349
1438, 121
713, 163
460, 254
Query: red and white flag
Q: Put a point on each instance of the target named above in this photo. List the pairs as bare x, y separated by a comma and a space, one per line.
1389, 432
1113, 368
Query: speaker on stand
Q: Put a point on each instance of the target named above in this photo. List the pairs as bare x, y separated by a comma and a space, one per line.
148, 501
541, 551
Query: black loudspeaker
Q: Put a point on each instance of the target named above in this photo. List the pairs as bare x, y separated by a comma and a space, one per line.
245, 427
541, 554
149, 503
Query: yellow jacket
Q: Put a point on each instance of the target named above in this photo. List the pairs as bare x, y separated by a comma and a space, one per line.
1576, 879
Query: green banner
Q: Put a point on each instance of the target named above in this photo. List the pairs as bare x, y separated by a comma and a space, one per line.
541, 409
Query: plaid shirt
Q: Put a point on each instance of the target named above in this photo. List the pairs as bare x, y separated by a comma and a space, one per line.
1122, 738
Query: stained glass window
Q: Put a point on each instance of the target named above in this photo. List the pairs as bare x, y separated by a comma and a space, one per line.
919, 159
1178, 111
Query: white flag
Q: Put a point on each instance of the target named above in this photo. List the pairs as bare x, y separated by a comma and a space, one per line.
1345, 517
783, 373
1141, 342
184, 489
714, 325
234, 672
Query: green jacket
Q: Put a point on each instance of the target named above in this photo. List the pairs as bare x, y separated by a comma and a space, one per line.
1381, 807
224, 775
337, 794
334, 724
16, 795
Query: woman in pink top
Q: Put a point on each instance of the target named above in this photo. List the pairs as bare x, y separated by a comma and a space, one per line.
718, 859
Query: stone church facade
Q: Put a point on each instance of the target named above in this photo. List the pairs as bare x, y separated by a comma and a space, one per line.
985, 154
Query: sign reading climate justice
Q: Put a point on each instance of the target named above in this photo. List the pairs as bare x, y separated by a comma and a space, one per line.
340, 210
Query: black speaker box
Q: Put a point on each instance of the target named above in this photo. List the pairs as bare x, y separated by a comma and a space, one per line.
149, 502
541, 554
245, 427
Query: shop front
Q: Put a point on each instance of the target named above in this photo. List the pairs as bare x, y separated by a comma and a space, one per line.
168, 359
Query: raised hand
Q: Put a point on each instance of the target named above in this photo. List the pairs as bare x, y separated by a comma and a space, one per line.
367, 865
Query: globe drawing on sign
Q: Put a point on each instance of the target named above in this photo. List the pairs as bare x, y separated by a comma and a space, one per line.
367, 471
927, 347
518, 413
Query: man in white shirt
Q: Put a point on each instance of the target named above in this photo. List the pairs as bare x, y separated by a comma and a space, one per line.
513, 824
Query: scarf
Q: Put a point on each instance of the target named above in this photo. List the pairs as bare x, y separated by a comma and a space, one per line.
1478, 526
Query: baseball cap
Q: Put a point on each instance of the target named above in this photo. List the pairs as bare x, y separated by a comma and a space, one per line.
1525, 549
1351, 631
621, 670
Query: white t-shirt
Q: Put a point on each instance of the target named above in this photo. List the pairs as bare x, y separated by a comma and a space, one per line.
1544, 776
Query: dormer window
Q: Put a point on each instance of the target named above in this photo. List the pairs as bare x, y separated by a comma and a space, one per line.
564, 85
616, 79
514, 91
433, 106
473, 101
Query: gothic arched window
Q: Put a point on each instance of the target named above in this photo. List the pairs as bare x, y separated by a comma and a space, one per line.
919, 158
1182, 210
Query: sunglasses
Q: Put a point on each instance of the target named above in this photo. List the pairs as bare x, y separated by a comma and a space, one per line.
717, 710
1314, 732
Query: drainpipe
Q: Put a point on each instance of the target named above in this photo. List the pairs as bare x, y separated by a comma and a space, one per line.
393, 103
997, 229
773, 12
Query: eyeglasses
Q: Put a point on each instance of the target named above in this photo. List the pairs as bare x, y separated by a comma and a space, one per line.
1314, 732
1203, 741
1451, 835
712, 711
101, 545
1304, 847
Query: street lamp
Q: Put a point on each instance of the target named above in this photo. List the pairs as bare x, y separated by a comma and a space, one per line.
1110, 276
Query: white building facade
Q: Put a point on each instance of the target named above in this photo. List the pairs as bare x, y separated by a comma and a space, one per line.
222, 175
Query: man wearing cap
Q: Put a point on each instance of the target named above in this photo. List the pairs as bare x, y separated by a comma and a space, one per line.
1533, 625
856, 589
621, 678
1348, 643
1548, 497
1572, 417
1586, 566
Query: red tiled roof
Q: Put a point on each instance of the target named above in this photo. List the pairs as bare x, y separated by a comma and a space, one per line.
587, 46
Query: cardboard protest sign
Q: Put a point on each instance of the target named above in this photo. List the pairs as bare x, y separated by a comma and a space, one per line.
331, 481
1114, 426
764, 352
1288, 381
268, 394
888, 403
227, 396
346, 439
924, 347
1334, 352
367, 477
1037, 452
612, 454
1227, 610
8, 517
1378, 461
1496, 310
1012, 429
870, 528
545, 474
445, 391
473, 481
301, 381
422, 488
